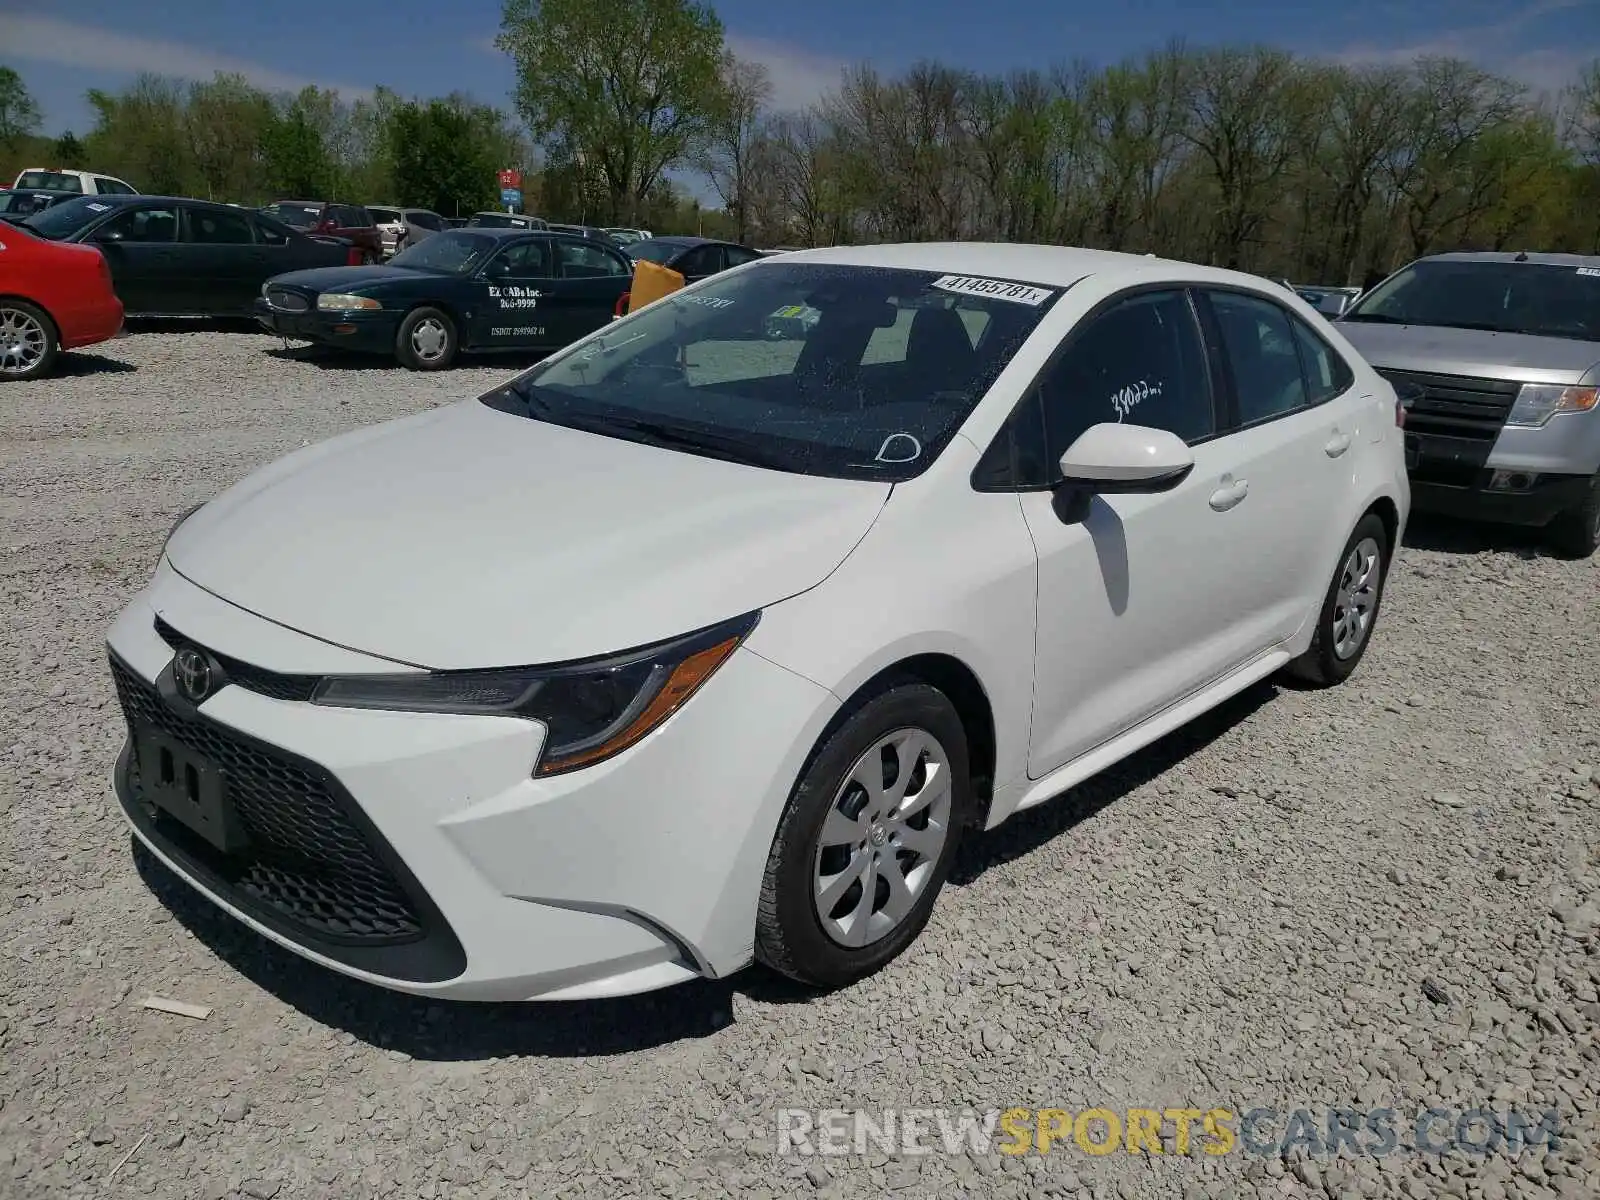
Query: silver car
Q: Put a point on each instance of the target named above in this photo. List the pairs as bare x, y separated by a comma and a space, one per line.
402, 227
1500, 355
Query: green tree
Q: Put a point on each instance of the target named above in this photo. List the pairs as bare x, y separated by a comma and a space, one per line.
445, 154
631, 85
69, 152
296, 156
139, 135
727, 156
19, 115
226, 120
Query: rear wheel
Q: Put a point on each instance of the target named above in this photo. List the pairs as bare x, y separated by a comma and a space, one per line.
1576, 533
867, 840
28, 341
426, 341
1350, 608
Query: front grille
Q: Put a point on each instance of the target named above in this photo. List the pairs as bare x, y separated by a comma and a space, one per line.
308, 863
283, 298
1455, 406
251, 678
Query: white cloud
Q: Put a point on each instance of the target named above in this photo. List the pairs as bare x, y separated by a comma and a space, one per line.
799, 77
93, 48
1497, 46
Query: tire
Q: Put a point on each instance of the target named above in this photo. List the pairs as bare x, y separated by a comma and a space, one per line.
1336, 649
426, 340
1576, 533
858, 935
29, 343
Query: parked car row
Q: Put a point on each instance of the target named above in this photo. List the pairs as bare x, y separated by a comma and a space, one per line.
1494, 354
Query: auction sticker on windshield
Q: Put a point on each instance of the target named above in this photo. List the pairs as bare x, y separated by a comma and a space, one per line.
996, 289
1589, 270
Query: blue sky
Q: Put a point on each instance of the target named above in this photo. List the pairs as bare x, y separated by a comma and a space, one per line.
63, 47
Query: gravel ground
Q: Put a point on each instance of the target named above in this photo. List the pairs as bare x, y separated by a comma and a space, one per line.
1386, 895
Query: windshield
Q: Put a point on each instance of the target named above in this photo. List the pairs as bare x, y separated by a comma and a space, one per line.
50, 181
623, 237
452, 253
67, 218
1503, 297
296, 215
495, 221
872, 387
656, 250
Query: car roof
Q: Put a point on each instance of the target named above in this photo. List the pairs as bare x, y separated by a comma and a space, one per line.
1052, 266
1508, 256
116, 200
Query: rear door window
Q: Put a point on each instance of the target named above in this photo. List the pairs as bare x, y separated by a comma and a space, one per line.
212, 228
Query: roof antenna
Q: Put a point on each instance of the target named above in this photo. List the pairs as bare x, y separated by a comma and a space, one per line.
1522, 256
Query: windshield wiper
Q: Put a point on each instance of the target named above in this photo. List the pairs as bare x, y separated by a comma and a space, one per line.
1379, 318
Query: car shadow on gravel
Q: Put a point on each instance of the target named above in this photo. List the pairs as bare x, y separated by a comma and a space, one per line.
134, 326
1032, 828
453, 1031
1427, 531
81, 366
331, 358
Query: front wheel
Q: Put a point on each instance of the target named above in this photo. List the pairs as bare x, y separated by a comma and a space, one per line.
28, 342
1350, 608
426, 341
866, 840
1576, 533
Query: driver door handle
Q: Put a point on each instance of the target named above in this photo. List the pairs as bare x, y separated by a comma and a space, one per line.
1337, 445
1230, 493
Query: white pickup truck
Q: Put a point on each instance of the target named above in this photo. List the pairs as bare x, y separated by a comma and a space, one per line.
89, 183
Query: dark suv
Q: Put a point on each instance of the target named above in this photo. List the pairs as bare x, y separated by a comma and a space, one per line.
321, 218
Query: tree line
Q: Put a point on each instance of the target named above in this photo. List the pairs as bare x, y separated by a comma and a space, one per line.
1243, 157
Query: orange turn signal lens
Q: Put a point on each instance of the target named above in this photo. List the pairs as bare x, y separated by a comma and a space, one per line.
685, 679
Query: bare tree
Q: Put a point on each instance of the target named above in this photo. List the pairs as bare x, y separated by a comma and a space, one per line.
728, 154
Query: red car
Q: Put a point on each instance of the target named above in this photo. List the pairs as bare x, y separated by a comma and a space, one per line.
351, 222
53, 297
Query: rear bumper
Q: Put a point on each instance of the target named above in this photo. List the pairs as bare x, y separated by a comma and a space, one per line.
370, 333
90, 324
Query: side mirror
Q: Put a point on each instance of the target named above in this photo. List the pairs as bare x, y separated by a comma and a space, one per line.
1117, 458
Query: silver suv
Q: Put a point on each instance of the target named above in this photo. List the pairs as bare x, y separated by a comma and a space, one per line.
1499, 358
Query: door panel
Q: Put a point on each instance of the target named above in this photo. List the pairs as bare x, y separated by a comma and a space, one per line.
522, 302
141, 248
593, 279
1300, 420
220, 261
1139, 595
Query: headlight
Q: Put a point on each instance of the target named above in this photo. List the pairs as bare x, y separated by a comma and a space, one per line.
1538, 402
341, 302
591, 710
184, 516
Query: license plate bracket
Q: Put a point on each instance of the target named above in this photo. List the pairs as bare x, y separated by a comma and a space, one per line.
184, 785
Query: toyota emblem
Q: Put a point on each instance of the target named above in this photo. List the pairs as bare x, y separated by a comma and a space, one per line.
192, 670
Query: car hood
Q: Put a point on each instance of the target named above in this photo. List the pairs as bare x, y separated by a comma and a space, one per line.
345, 279
468, 537
1433, 349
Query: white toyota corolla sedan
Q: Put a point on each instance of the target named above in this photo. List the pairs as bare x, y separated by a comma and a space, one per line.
698, 644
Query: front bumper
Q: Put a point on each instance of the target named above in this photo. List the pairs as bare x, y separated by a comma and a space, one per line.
367, 332
637, 873
1501, 495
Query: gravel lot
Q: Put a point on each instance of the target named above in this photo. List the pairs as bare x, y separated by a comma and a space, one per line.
1246, 916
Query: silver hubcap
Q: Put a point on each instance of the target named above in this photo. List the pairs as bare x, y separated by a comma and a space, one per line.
428, 339
1357, 598
885, 830
22, 341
